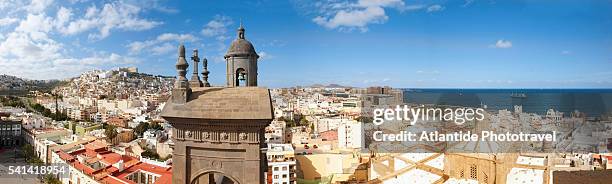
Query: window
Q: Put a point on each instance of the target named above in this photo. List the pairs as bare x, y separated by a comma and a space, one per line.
473, 172
284, 168
275, 176
275, 168
284, 175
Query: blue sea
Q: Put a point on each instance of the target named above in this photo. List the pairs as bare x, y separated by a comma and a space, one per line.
592, 102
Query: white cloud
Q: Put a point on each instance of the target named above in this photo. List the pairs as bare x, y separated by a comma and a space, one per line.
7, 21
62, 17
503, 44
356, 15
218, 27
263, 56
163, 44
23, 47
176, 37
12, 7
37, 6
435, 8
163, 49
35, 24
354, 19
112, 16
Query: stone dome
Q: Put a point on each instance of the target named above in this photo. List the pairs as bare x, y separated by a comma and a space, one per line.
240, 46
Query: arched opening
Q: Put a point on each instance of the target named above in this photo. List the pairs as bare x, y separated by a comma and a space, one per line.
241, 77
213, 177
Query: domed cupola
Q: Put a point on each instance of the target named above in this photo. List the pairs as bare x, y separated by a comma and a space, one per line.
240, 46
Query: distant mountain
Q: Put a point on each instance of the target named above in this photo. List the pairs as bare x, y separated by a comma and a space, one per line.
328, 86
12, 83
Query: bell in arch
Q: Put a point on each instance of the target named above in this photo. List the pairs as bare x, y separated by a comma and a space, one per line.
242, 76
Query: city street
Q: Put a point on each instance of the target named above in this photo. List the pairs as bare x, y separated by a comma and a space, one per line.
7, 158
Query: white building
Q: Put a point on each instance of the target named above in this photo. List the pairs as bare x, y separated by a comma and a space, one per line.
325, 124
350, 135
281, 164
42, 139
555, 116
276, 133
151, 137
33, 123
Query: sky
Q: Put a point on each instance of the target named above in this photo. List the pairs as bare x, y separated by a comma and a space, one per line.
398, 43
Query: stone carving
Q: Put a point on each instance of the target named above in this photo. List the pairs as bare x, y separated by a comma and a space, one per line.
216, 164
224, 136
243, 136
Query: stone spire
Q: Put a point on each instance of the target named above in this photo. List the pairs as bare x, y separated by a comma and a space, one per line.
181, 90
195, 78
205, 73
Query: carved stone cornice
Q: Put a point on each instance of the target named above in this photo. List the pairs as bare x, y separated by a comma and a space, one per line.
222, 133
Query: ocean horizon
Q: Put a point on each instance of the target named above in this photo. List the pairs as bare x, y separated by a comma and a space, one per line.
592, 102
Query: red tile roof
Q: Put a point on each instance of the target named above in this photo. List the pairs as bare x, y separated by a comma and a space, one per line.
165, 173
96, 151
79, 166
96, 145
111, 158
65, 156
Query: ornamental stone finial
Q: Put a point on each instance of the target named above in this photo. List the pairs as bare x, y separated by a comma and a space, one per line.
181, 90
205, 73
181, 68
181, 50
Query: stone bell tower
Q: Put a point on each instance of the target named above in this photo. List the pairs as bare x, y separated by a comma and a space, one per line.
218, 131
241, 60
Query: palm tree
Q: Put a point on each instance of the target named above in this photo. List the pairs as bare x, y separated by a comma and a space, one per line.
111, 133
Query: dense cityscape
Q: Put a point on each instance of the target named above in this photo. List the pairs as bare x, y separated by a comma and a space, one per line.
106, 125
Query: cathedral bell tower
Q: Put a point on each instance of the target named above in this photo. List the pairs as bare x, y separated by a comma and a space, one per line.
241, 60
218, 132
